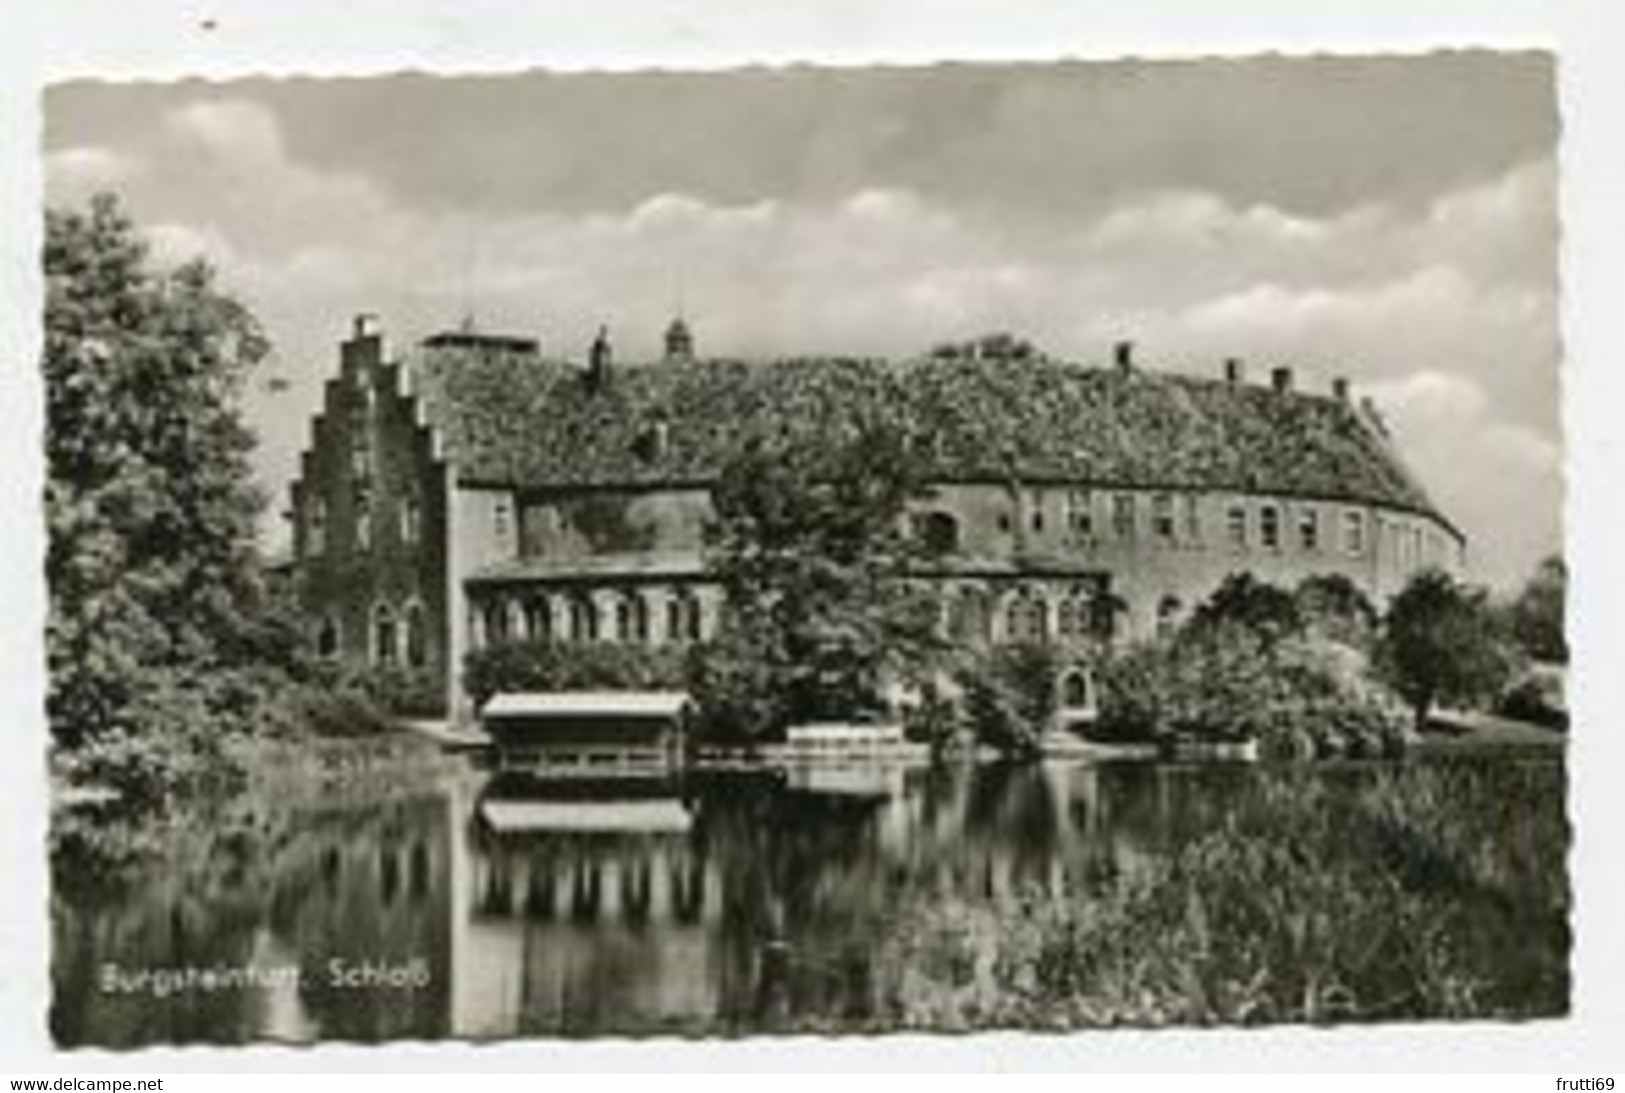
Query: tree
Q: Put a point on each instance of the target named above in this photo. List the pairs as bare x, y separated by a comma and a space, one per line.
820, 613
1536, 615
1440, 643
1268, 613
1333, 607
149, 506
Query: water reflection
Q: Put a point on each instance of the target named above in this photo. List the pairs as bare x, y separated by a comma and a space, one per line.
508, 904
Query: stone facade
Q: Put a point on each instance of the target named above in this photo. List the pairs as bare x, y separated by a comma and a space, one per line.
412, 551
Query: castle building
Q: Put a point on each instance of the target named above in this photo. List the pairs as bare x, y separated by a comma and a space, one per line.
473, 491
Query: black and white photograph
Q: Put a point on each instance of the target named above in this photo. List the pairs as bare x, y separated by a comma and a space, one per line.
763, 550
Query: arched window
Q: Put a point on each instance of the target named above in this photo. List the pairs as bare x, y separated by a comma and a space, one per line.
411, 519
1075, 690
583, 619
682, 618
327, 638
495, 614
417, 638
970, 616
538, 619
632, 619
385, 647
937, 532
1027, 618
363, 520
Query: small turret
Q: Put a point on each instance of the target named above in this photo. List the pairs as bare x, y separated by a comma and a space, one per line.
599, 360
679, 341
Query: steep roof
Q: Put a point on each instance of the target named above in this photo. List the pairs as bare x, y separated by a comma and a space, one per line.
516, 418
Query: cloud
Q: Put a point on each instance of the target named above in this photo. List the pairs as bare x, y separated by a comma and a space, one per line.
77, 172
1443, 308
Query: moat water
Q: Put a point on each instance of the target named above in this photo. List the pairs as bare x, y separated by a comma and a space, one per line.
484, 905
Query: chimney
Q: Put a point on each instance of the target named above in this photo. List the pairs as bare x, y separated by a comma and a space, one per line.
1123, 356
365, 348
1281, 379
1340, 389
598, 361
1232, 371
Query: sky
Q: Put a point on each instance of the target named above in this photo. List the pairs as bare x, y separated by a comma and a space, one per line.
1391, 220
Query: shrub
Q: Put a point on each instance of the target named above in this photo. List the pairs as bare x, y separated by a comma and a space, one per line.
543, 666
1010, 698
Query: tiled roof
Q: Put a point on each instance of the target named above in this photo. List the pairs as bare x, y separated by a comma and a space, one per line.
524, 420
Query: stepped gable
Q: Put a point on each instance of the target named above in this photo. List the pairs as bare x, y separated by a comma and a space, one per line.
518, 419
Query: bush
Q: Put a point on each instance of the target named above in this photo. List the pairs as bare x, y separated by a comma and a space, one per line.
1222, 682
1010, 698
543, 666
1537, 701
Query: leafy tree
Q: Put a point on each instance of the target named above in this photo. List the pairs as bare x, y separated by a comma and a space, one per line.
820, 613
1536, 615
1269, 613
149, 507
1440, 643
1010, 697
1333, 606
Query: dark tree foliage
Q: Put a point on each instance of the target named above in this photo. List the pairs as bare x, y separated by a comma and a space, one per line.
1269, 613
1536, 615
1333, 606
1441, 643
154, 594
820, 612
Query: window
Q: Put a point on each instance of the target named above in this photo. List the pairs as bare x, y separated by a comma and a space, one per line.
969, 617
363, 520
682, 618
315, 526
1162, 517
1269, 527
385, 651
1193, 519
632, 619
1072, 618
411, 519
1080, 516
1123, 515
417, 650
1037, 517
937, 532
1309, 530
1354, 533
327, 639
1027, 619
501, 518
538, 619
1004, 521
1075, 691
1235, 521
495, 615
583, 620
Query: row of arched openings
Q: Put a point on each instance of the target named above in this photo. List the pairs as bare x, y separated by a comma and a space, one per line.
1028, 617
393, 637
626, 619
